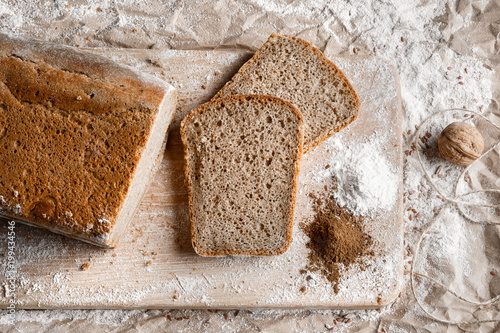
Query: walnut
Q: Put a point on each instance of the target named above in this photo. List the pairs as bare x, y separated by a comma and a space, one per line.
460, 143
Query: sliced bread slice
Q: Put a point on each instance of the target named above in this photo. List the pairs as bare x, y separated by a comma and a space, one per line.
242, 156
290, 68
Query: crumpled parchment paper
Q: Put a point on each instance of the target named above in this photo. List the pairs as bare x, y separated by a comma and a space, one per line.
246, 25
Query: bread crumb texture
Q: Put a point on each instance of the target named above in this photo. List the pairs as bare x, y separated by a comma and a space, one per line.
72, 128
290, 68
242, 159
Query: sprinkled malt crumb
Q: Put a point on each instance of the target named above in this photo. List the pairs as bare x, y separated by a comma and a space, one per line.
85, 266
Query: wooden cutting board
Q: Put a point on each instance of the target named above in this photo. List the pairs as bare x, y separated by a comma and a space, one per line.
154, 266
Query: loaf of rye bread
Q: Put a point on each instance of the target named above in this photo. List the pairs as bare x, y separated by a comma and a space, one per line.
242, 156
290, 68
80, 138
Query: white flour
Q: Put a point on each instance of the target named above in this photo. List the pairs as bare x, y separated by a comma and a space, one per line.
364, 179
8, 19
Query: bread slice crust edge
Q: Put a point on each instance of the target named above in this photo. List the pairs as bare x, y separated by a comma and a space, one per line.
326, 60
201, 108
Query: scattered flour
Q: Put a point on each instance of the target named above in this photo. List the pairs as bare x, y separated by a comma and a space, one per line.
366, 182
418, 38
8, 18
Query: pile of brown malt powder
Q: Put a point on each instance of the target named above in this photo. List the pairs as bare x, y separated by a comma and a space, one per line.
336, 237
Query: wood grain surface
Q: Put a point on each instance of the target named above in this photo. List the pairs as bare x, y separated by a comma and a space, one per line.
154, 266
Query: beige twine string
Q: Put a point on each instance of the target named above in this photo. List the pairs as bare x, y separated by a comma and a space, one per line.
449, 201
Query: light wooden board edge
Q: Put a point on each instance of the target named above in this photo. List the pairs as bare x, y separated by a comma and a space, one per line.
384, 301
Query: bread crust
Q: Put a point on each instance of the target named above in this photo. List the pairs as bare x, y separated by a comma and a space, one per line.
275, 36
202, 108
77, 125
141, 87
99, 240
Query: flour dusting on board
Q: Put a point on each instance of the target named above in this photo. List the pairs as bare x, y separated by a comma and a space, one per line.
364, 181
151, 267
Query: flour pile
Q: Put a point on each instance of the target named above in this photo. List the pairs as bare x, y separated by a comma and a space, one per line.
364, 181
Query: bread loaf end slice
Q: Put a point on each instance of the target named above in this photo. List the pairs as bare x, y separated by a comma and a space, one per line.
242, 156
290, 68
81, 137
